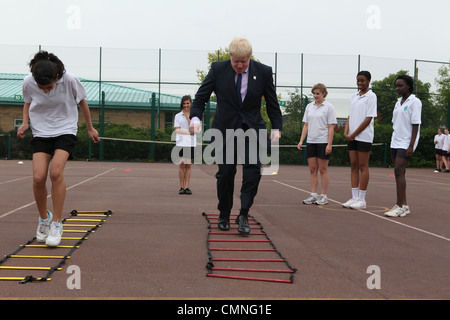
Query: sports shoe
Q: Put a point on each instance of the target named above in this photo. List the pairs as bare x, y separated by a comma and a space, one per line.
54, 237
310, 200
348, 203
322, 200
358, 204
44, 227
397, 211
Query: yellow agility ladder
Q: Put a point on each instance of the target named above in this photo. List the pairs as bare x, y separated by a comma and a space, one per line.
77, 219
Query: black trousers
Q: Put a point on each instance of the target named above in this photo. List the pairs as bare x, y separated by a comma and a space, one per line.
251, 176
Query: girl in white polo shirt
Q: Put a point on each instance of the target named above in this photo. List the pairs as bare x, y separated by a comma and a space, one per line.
319, 119
51, 96
406, 121
359, 133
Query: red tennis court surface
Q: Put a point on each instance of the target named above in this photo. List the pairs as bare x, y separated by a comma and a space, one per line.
154, 245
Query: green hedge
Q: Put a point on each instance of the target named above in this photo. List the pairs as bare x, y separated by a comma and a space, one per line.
137, 151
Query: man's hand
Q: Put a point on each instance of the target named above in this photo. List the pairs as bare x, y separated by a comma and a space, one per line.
275, 135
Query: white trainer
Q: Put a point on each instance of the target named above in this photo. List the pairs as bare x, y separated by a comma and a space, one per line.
348, 203
43, 228
395, 211
406, 210
322, 200
358, 204
55, 234
310, 200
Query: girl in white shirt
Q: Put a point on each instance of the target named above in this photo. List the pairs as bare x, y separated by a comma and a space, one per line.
187, 142
319, 119
438, 142
359, 132
406, 121
51, 96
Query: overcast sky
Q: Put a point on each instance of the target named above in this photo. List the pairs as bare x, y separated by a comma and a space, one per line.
400, 30
408, 29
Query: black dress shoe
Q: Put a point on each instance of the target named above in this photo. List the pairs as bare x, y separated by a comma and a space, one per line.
182, 191
187, 191
224, 224
244, 227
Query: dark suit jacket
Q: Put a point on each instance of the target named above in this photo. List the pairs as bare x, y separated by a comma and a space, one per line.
220, 79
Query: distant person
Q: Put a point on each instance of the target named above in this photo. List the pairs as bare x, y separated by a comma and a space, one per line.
319, 120
445, 150
187, 141
406, 121
359, 132
51, 96
438, 144
239, 83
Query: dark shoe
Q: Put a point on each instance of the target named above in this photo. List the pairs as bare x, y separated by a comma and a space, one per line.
187, 191
224, 224
244, 227
182, 191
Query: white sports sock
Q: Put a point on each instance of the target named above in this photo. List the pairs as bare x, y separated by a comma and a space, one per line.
355, 192
362, 195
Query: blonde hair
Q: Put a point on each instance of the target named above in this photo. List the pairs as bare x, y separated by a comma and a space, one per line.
240, 48
321, 87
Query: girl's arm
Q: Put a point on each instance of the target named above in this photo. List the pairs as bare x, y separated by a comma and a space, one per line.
84, 108
25, 119
410, 150
330, 138
304, 132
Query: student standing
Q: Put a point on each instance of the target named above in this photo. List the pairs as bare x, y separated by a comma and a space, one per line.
187, 142
359, 132
438, 143
51, 96
406, 121
445, 150
319, 120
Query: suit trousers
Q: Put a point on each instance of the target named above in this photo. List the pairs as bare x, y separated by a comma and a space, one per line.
251, 176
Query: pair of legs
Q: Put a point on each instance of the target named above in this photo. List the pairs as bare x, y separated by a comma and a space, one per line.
317, 165
184, 173
44, 165
438, 160
359, 161
400, 162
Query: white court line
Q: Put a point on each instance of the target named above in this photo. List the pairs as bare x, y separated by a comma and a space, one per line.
18, 179
75, 185
373, 214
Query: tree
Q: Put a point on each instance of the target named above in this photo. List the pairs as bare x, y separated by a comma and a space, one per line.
387, 97
443, 92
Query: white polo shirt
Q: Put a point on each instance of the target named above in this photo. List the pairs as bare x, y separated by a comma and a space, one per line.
362, 107
54, 113
440, 141
403, 117
318, 118
446, 142
184, 140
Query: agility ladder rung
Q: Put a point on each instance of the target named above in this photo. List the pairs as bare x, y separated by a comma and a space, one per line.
74, 214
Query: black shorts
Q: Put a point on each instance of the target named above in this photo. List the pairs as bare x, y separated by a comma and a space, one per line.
438, 152
317, 150
399, 153
64, 142
359, 145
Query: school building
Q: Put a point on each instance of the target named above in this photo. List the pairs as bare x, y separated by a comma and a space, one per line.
122, 104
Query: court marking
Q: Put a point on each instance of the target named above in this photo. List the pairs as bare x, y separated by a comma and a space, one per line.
68, 188
373, 214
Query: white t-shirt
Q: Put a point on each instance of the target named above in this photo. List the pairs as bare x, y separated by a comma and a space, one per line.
54, 113
184, 140
362, 107
318, 118
403, 117
446, 142
439, 138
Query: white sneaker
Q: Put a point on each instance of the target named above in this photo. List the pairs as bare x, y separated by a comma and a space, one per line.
395, 211
43, 228
54, 237
405, 210
322, 200
358, 204
310, 200
348, 203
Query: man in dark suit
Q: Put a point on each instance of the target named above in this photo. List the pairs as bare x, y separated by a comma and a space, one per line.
239, 85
